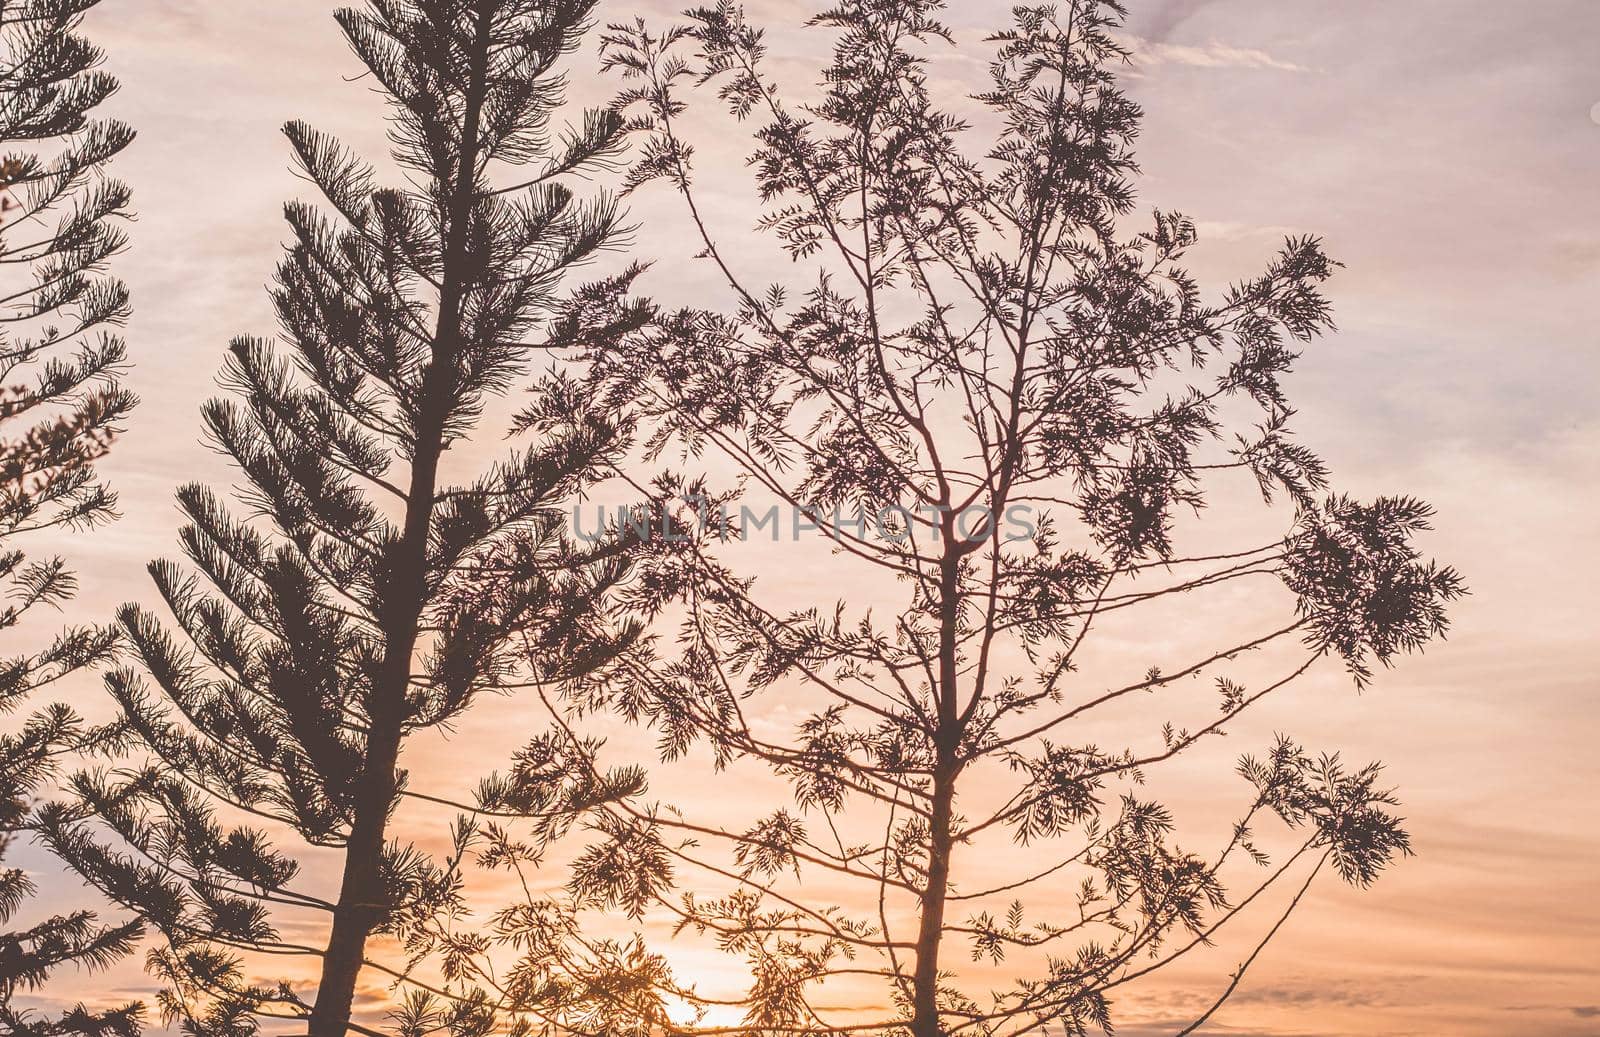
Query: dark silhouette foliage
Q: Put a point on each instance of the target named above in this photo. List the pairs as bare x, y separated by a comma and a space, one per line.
979, 323
339, 606
60, 407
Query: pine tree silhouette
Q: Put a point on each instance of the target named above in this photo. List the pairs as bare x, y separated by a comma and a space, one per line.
60, 222
339, 610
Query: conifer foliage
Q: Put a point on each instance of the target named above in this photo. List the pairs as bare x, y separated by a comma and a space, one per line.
338, 610
998, 391
61, 221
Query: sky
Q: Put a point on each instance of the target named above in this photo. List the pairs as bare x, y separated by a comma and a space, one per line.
1447, 151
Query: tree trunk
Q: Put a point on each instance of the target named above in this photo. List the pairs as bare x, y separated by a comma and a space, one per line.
947, 742
360, 907
930, 933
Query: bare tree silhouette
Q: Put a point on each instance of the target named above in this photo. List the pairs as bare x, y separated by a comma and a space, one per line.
340, 611
60, 408
977, 341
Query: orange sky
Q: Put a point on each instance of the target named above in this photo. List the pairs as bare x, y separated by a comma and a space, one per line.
1446, 151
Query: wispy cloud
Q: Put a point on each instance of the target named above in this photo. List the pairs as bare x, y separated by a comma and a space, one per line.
1214, 54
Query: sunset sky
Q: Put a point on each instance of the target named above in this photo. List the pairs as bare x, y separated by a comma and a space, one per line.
1448, 151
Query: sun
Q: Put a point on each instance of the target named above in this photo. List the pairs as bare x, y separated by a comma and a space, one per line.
688, 1015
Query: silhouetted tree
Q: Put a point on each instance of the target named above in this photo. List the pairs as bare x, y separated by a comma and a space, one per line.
991, 393
342, 610
59, 410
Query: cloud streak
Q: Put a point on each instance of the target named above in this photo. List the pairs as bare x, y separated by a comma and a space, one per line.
1147, 55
